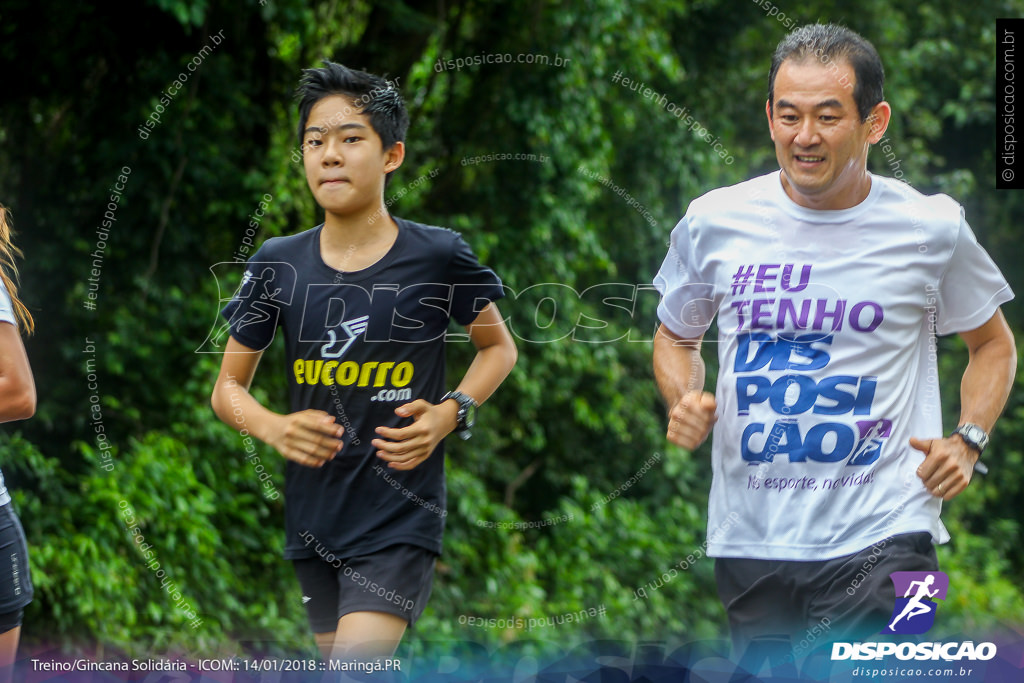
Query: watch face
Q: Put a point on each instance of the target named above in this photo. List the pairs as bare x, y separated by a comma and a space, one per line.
974, 436
468, 414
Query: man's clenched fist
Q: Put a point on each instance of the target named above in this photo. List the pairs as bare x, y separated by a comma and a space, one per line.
691, 419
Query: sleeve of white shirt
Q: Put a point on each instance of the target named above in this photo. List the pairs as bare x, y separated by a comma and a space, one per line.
6, 307
687, 305
972, 288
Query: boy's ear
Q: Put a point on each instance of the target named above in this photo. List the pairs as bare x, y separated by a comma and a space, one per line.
394, 156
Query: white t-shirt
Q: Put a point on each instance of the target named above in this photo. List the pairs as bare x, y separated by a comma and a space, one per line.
6, 316
826, 358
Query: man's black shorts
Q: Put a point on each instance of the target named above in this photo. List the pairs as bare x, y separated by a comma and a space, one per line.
847, 598
394, 580
15, 581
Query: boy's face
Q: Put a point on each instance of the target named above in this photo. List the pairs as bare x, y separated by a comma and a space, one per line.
344, 158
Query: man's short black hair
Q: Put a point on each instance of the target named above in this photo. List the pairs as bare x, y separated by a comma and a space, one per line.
831, 44
371, 95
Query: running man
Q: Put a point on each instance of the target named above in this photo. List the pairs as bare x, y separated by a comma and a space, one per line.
828, 283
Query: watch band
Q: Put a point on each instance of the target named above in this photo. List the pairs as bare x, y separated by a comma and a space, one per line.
466, 416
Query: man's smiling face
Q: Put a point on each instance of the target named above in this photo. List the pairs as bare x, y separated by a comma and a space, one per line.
820, 141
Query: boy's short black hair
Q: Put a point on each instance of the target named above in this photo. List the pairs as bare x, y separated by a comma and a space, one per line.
831, 43
372, 95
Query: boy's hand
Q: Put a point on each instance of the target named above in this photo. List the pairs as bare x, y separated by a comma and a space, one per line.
407, 447
691, 419
308, 437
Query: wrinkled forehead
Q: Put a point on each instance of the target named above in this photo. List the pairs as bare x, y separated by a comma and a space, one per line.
811, 81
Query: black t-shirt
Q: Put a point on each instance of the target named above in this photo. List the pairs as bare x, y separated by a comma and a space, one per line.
360, 344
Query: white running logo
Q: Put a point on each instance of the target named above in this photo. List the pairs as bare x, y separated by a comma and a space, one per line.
353, 328
915, 606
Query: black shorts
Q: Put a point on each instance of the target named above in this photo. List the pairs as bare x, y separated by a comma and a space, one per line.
15, 580
790, 602
394, 580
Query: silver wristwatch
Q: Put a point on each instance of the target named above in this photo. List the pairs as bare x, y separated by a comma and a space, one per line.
973, 435
977, 438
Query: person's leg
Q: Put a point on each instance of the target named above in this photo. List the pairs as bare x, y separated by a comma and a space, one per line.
381, 594
8, 652
319, 583
325, 643
766, 602
365, 636
15, 587
760, 598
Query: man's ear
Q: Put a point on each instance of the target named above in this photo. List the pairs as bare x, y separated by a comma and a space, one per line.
879, 119
768, 113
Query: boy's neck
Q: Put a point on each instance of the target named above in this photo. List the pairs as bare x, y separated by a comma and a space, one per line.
355, 241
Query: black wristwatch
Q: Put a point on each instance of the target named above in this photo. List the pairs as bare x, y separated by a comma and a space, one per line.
977, 438
466, 416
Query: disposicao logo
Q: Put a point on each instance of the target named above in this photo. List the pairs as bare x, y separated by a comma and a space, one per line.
914, 612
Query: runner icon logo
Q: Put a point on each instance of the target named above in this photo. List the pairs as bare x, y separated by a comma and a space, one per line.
916, 592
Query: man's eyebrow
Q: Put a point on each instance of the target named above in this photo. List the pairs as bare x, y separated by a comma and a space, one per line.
820, 105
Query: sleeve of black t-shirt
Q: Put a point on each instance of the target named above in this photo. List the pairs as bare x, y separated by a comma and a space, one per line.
255, 310
475, 287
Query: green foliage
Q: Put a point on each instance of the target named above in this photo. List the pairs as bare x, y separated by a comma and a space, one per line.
99, 539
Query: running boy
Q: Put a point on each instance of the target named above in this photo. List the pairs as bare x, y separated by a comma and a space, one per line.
363, 300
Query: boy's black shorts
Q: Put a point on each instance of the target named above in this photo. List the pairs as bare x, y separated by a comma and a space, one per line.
394, 580
847, 598
15, 581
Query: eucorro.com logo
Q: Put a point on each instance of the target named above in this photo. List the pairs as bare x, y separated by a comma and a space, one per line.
914, 614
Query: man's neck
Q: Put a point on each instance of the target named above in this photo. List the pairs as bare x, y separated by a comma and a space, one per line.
846, 199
